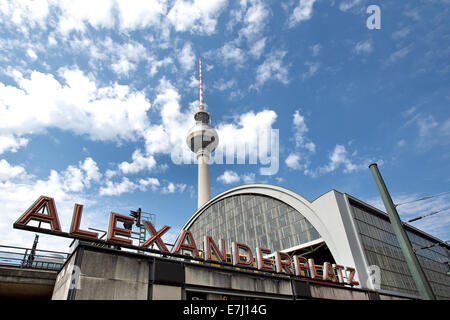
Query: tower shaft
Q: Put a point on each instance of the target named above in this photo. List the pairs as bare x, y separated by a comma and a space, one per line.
204, 193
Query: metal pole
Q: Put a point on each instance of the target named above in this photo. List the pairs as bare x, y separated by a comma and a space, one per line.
422, 284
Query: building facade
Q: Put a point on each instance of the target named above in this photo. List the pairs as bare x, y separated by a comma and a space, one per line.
335, 227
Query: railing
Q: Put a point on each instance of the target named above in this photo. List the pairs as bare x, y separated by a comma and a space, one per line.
33, 259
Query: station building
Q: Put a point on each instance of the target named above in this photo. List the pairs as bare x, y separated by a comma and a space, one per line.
335, 227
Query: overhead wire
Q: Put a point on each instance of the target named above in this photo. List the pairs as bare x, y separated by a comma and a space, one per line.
424, 198
428, 214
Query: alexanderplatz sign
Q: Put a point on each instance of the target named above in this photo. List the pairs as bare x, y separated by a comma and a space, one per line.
241, 256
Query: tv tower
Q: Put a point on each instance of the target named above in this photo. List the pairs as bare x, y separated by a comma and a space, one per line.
202, 140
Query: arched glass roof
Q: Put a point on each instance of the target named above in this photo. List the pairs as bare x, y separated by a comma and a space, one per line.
255, 220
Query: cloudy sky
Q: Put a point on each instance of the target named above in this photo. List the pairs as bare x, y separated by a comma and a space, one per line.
96, 95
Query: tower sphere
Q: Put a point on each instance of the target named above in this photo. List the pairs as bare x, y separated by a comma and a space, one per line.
201, 137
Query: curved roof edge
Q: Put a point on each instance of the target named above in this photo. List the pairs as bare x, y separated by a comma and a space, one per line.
306, 207
235, 190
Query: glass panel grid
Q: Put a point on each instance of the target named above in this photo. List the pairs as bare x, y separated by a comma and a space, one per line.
382, 249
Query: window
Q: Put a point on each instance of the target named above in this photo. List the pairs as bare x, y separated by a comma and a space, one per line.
258, 220
382, 248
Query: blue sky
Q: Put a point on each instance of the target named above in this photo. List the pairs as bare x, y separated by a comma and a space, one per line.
95, 95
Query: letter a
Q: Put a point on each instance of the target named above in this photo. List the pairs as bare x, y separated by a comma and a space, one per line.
374, 21
33, 213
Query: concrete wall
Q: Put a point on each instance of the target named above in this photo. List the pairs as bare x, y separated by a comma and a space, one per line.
18, 283
112, 277
64, 280
98, 273
216, 278
165, 292
331, 293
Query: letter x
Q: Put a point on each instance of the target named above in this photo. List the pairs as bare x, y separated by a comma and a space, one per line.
155, 236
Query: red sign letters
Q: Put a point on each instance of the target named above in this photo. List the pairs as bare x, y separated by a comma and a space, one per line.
44, 210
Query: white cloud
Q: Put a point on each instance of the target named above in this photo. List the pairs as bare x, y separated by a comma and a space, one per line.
304, 146
123, 66
339, 158
413, 13
32, 54
431, 132
137, 14
195, 16
153, 183
315, 49
112, 188
8, 172
300, 125
301, 141
91, 169
401, 33
51, 42
140, 162
175, 124
445, 128
293, 161
248, 178
111, 173
272, 68
117, 188
348, 4
401, 143
255, 19
75, 15
363, 47
246, 134
222, 85
302, 12
12, 143
24, 13
426, 124
313, 67
231, 54
172, 188
124, 57
257, 48
253, 15
72, 179
121, 57
75, 104
186, 57
229, 177
156, 64
398, 55
78, 178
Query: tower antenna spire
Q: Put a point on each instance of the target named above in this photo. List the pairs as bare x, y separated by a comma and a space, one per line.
202, 140
202, 107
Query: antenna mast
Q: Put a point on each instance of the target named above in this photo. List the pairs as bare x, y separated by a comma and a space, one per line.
201, 84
